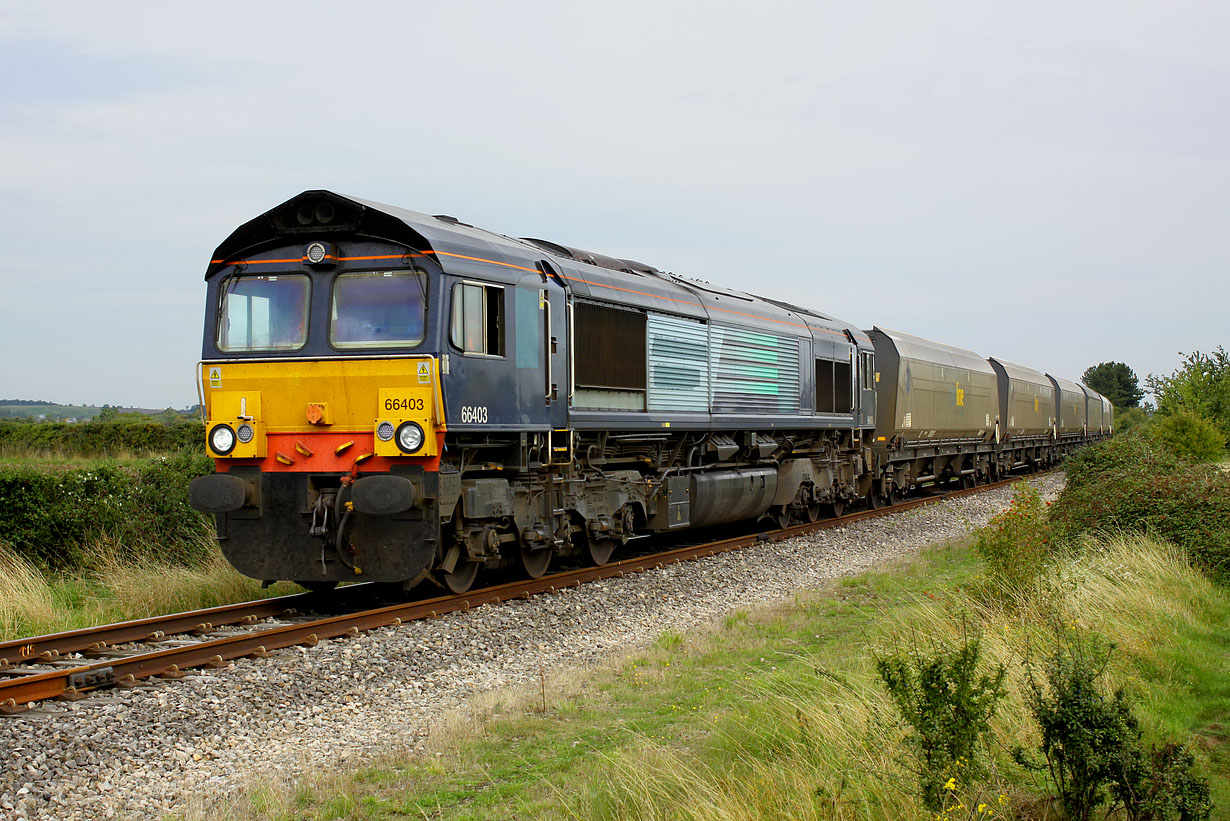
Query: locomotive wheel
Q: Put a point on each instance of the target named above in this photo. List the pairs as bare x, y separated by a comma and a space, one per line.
837, 507
462, 578
533, 563
875, 501
812, 512
598, 551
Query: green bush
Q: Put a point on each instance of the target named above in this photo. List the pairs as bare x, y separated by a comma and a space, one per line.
1188, 436
947, 705
1129, 484
1092, 745
1017, 544
53, 517
119, 437
1127, 420
1200, 386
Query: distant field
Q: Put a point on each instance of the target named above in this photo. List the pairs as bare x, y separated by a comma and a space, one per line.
18, 409
50, 411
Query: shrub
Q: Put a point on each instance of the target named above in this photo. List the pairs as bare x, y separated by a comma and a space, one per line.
1188, 436
1201, 386
1130, 453
1129, 484
1127, 420
1092, 744
51, 517
947, 706
1016, 544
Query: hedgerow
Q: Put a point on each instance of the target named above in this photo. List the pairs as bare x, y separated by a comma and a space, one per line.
121, 436
53, 517
1131, 484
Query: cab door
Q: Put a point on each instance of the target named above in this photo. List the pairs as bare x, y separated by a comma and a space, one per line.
541, 355
867, 389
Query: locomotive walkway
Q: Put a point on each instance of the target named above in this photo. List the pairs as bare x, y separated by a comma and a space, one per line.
69, 665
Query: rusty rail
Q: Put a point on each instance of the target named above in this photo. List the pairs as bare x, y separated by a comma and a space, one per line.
53, 646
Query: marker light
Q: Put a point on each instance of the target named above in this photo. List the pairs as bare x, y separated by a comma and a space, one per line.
222, 439
384, 431
245, 433
316, 253
409, 437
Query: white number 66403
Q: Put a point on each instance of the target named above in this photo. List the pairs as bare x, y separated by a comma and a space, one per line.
474, 414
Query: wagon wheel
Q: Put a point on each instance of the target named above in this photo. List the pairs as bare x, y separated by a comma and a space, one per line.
967, 482
533, 563
874, 501
837, 507
895, 496
598, 551
812, 512
462, 578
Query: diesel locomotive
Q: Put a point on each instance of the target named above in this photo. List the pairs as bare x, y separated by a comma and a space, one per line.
398, 397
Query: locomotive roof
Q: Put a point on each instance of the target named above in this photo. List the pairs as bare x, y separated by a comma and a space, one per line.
464, 249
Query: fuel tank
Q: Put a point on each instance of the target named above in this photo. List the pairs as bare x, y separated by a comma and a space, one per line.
731, 495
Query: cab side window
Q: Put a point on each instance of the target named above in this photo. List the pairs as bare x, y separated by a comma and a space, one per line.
478, 319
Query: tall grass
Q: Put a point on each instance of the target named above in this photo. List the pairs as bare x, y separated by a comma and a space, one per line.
25, 597
821, 740
114, 587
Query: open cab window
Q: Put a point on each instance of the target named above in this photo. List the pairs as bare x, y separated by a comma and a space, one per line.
264, 313
378, 309
478, 319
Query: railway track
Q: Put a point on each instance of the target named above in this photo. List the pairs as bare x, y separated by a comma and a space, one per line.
70, 665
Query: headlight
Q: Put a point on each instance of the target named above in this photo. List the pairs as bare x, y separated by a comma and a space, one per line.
409, 437
222, 439
245, 433
384, 431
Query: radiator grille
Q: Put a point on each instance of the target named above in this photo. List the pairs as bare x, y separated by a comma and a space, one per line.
610, 347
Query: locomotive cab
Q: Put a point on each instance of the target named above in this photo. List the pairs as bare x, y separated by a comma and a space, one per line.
320, 385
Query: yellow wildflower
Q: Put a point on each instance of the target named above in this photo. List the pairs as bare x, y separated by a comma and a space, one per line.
951, 785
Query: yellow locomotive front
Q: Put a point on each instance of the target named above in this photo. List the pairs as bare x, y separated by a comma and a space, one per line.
320, 389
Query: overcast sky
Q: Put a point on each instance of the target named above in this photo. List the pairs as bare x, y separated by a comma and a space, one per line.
1045, 182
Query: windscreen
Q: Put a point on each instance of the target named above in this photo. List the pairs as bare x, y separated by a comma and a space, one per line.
264, 313
378, 309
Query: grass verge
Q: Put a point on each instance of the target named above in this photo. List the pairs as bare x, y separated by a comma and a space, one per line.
115, 587
778, 713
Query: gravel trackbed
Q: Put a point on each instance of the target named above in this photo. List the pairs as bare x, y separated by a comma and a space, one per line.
145, 752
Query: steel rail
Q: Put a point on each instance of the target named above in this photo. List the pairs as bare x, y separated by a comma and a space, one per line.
54, 646
172, 662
